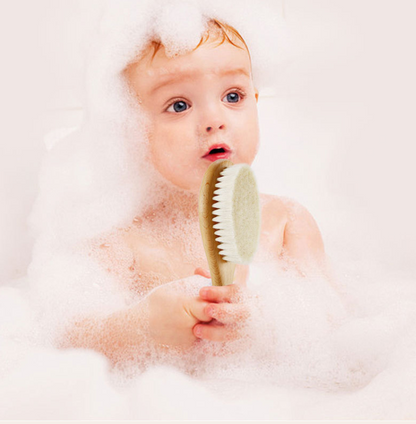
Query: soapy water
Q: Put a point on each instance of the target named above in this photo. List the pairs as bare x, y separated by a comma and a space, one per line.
309, 351
305, 355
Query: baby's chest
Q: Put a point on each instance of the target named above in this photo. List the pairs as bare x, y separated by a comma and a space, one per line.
159, 260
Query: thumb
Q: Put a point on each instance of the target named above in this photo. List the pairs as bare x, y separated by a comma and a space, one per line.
204, 272
196, 306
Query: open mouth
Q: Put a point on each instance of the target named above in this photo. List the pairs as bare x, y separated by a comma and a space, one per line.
214, 151
218, 152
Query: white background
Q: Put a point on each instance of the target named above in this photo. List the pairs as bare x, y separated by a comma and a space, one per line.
339, 135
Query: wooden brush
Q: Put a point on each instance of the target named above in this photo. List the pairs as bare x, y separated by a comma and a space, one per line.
229, 218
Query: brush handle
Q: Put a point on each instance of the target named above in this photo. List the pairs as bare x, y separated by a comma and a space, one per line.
222, 272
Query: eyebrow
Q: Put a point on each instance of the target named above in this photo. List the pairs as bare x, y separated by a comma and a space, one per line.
188, 75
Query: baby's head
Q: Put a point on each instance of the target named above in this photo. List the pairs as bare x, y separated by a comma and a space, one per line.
195, 101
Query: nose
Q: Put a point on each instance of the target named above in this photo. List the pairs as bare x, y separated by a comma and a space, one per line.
220, 127
211, 116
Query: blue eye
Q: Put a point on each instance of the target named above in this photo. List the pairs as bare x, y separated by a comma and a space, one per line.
233, 97
179, 106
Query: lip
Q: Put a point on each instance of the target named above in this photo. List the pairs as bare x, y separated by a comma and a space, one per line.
215, 156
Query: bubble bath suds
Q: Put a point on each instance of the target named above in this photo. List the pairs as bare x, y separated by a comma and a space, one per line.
309, 351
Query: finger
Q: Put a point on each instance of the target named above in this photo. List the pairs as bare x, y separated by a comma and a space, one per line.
228, 313
196, 308
204, 272
230, 293
216, 332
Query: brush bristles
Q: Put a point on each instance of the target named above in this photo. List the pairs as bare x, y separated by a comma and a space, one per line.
237, 214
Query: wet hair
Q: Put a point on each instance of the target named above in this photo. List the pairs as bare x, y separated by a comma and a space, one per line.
223, 31
216, 30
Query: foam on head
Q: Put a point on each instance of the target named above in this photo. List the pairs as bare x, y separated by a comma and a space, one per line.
100, 177
128, 27
300, 343
215, 31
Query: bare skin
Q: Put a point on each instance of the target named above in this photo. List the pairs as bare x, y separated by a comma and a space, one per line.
186, 117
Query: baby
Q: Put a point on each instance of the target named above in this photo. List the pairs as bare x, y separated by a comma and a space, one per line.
201, 107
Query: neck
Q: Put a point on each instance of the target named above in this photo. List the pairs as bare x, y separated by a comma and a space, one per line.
169, 203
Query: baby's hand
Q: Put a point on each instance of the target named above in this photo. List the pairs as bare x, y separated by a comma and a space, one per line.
227, 307
172, 314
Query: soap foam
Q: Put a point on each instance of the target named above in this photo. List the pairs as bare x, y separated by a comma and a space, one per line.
308, 351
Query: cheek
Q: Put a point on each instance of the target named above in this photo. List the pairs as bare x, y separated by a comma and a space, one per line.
168, 145
249, 132
161, 136
173, 136
159, 148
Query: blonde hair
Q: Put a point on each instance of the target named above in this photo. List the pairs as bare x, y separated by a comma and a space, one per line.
223, 30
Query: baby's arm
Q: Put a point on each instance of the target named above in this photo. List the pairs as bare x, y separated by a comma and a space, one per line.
117, 336
302, 240
166, 316
303, 244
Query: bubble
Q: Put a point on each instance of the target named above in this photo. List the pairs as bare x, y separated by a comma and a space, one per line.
305, 350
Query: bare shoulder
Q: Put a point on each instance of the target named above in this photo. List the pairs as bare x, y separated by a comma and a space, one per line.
273, 221
274, 211
299, 219
300, 235
302, 238
283, 211
286, 207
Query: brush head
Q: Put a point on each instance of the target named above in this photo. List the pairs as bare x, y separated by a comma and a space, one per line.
237, 214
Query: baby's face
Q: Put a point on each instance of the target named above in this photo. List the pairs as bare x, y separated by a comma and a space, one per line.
194, 102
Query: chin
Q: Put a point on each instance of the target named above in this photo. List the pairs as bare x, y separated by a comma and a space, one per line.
186, 187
